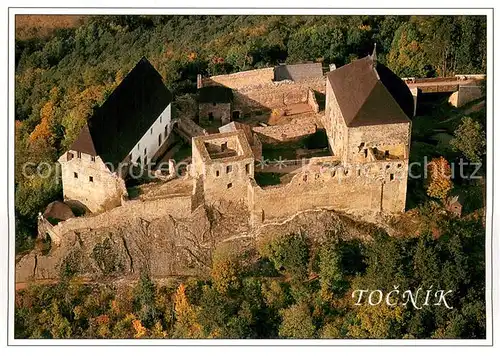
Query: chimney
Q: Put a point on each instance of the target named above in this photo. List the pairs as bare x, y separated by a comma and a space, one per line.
374, 54
199, 82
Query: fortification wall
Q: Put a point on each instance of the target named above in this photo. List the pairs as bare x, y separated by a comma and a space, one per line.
275, 94
255, 89
177, 206
240, 80
374, 186
465, 95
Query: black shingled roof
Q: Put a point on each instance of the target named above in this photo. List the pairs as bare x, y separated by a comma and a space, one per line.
215, 94
116, 127
369, 93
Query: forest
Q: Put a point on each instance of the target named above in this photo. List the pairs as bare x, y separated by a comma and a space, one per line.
300, 288
296, 289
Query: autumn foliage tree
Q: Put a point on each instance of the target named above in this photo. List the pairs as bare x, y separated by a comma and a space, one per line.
438, 182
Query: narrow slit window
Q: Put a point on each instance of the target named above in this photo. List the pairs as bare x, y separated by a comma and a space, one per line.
229, 185
217, 173
91, 179
79, 154
229, 169
75, 175
392, 177
247, 168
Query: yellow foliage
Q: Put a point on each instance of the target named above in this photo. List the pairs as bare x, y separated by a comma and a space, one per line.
376, 321
42, 130
186, 317
438, 178
140, 330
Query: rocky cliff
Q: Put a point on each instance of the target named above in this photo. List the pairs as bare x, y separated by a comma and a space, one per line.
167, 246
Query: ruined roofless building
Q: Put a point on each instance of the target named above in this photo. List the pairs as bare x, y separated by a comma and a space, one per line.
129, 128
222, 165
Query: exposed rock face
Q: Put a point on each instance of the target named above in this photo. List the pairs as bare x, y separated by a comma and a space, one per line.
171, 247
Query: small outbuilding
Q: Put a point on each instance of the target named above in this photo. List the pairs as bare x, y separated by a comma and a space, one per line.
215, 104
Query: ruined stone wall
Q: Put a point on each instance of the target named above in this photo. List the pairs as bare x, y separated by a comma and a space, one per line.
220, 111
394, 138
311, 100
465, 95
374, 186
240, 80
176, 206
90, 182
275, 94
283, 133
255, 90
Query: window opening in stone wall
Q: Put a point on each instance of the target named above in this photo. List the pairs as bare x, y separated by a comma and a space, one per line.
75, 174
217, 173
151, 131
91, 179
92, 158
79, 154
247, 168
236, 114
223, 147
229, 169
210, 117
159, 139
366, 152
229, 185
145, 151
386, 153
392, 177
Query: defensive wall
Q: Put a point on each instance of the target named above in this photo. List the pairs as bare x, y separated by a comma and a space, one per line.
256, 90
324, 183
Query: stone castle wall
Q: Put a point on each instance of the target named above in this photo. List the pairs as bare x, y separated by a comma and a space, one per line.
374, 186
256, 90
465, 95
90, 182
176, 206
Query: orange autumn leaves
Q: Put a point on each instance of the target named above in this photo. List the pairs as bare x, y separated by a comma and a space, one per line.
438, 182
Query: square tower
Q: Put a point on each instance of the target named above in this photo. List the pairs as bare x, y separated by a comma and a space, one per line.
224, 162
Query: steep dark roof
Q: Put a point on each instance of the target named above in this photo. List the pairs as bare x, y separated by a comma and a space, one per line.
368, 93
116, 127
298, 72
215, 94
